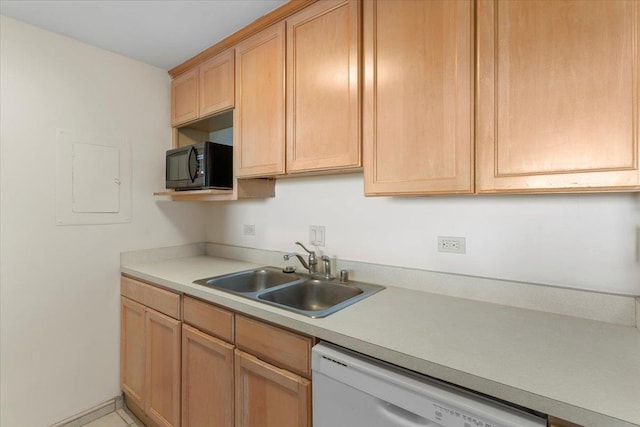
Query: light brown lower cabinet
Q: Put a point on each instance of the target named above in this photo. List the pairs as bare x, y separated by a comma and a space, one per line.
162, 404
207, 380
223, 386
132, 351
175, 374
150, 363
150, 359
267, 396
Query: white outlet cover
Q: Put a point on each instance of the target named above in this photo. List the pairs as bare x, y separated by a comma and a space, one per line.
450, 244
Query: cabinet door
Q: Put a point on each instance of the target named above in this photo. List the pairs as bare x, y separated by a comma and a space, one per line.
557, 95
418, 100
163, 369
323, 96
216, 86
207, 380
184, 97
132, 351
267, 396
260, 104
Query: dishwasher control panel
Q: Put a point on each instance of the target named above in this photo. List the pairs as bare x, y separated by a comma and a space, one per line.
456, 418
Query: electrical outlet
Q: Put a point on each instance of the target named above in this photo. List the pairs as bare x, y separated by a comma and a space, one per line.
454, 245
249, 230
316, 235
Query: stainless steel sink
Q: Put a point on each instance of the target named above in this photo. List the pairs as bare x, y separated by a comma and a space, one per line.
300, 293
311, 295
250, 281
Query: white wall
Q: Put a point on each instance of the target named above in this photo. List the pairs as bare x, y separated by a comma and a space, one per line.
583, 241
60, 285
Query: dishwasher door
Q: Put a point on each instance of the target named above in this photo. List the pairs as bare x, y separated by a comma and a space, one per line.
352, 390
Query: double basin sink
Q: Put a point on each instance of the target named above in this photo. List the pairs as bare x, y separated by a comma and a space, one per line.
303, 294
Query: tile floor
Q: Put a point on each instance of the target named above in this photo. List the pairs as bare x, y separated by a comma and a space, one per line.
120, 418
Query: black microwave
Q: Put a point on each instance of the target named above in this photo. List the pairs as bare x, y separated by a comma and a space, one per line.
204, 165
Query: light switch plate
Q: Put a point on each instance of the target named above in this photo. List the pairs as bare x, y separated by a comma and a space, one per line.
316, 235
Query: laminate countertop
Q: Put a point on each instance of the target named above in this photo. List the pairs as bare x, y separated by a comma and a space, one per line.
583, 371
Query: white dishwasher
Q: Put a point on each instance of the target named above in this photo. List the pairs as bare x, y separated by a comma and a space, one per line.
352, 390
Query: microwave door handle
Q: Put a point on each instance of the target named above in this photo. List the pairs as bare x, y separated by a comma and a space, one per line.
193, 154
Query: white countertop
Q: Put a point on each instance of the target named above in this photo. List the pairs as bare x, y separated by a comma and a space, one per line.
584, 371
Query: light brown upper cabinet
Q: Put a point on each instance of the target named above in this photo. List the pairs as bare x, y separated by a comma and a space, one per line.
323, 95
205, 90
184, 98
259, 118
557, 95
418, 99
217, 88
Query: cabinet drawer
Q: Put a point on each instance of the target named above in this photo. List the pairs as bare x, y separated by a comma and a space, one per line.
275, 345
159, 299
208, 318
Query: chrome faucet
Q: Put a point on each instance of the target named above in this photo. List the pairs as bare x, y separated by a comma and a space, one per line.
312, 266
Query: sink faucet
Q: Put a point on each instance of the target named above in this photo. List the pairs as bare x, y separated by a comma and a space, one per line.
313, 261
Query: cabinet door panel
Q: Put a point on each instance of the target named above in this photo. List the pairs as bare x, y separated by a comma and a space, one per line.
161, 300
217, 84
132, 350
323, 99
267, 396
557, 95
207, 380
283, 348
418, 73
209, 318
259, 121
163, 369
184, 98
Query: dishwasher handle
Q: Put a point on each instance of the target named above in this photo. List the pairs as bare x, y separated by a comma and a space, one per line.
401, 416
